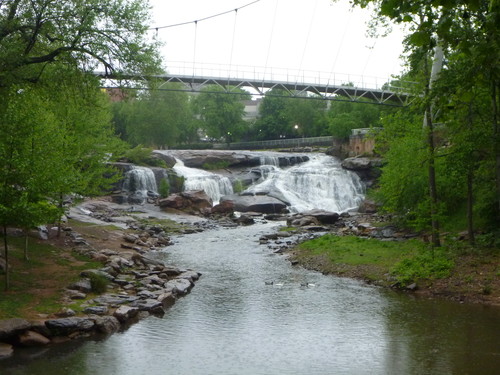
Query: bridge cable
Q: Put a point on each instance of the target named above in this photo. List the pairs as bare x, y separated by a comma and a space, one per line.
203, 19
313, 15
194, 48
232, 45
346, 28
270, 44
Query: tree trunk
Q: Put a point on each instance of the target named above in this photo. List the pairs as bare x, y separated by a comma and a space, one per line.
437, 64
26, 245
496, 140
6, 252
470, 206
470, 186
432, 180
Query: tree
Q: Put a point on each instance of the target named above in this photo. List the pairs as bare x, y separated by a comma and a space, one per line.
343, 116
157, 118
104, 34
466, 138
221, 113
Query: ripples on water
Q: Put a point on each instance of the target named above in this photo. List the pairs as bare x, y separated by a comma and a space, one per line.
233, 323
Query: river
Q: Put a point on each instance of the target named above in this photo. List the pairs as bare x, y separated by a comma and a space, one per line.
236, 322
233, 322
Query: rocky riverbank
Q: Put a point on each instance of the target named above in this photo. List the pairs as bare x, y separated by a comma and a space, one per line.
130, 285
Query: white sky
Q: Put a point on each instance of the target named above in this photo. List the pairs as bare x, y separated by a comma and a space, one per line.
297, 35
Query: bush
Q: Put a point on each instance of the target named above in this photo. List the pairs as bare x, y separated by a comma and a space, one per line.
143, 156
238, 186
99, 283
164, 188
423, 266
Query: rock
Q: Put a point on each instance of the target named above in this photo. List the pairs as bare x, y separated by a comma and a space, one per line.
151, 305
82, 285
96, 310
65, 312
115, 299
31, 338
65, 326
6, 350
130, 238
245, 220
107, 324
168, 159
125, 313
190, 200
324, 217
303, 221
257, 203
11, 327
225, 208
166, 299
412, 287
366, 168
189, 275
100, 273
179, 286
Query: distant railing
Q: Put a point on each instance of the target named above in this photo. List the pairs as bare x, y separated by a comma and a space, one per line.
253, 73
276, 143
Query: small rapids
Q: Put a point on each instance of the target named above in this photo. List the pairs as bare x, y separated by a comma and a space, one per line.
320, 183
213, 184
140, 181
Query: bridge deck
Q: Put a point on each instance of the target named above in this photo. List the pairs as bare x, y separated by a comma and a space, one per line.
392, 97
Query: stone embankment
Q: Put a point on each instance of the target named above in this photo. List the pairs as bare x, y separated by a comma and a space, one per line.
136, 286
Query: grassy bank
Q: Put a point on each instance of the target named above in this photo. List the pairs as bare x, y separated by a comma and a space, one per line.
472, 274
36, 285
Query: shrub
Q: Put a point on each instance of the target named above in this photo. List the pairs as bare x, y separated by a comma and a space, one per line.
423, 266
99, 283
164, 188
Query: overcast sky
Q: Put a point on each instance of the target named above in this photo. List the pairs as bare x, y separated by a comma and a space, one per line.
298, 35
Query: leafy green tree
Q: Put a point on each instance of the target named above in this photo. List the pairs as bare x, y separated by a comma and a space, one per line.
105, 34
274, 121
463, 145
155, 119
307, 116
221, 114
345, 116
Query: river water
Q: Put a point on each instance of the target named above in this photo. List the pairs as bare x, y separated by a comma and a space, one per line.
234, 323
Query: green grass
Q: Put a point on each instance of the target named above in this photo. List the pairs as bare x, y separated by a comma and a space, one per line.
211, 166
407, 261
48, 269
358, 251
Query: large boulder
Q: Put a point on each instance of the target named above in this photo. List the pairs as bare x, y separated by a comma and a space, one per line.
190, 200
366, 168
324, 217
11, 327
255, 203
65, 326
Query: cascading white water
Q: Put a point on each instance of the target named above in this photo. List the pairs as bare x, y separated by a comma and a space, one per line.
197, 179
269, 159
320, 183
140, 180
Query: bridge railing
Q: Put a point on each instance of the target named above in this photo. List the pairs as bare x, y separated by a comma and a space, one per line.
266, 74
277, 143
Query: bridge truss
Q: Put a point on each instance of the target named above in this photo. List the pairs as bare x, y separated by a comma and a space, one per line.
387, 94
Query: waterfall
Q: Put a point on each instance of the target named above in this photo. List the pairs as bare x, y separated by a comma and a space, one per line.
320, 183
215, 186
140, 181
269, 159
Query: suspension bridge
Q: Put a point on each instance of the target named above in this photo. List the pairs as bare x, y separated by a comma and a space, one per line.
259, 81
197, 74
